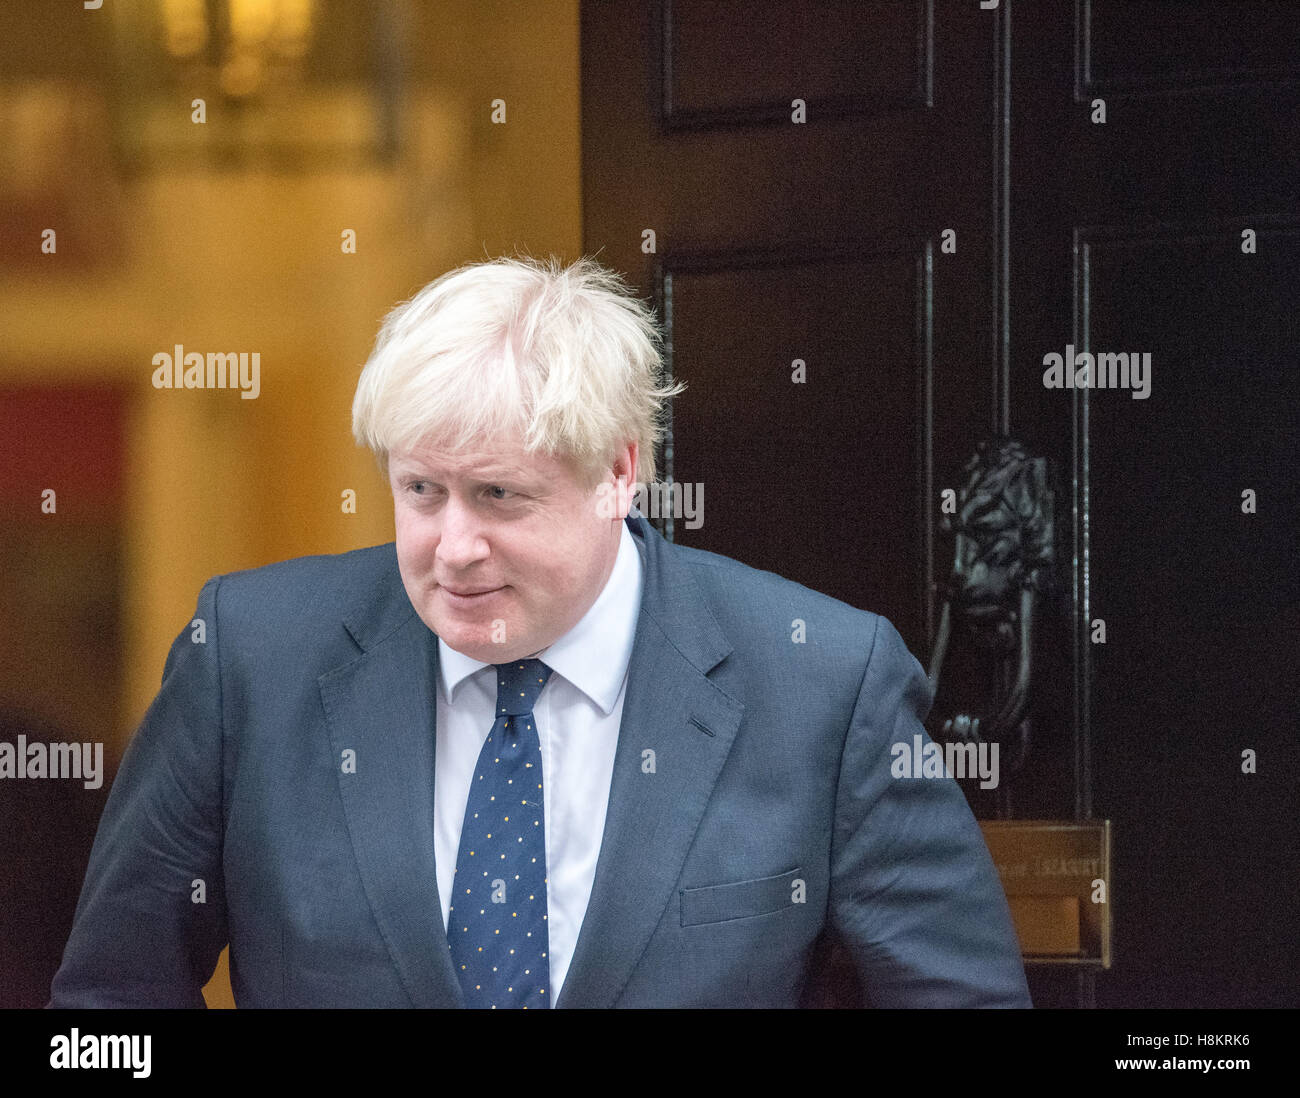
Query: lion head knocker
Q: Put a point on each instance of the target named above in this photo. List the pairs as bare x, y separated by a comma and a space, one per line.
1003, 558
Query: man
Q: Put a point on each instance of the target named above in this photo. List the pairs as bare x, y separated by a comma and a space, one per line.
531, 754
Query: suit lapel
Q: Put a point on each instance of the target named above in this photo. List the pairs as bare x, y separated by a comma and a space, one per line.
382, 706
674, 710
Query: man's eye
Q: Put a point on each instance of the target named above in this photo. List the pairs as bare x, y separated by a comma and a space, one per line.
424, 488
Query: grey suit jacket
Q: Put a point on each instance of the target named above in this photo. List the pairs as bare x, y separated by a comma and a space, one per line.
770, 813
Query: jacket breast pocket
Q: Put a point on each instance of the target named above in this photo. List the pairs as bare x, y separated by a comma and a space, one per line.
741, 900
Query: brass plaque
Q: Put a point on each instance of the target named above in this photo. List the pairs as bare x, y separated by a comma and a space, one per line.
1056, 875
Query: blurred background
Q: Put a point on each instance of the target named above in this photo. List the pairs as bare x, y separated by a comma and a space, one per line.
322, 116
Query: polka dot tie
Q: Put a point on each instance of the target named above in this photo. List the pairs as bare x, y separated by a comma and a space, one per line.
496, 924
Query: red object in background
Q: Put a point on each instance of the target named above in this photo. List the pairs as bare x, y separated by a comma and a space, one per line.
68, 438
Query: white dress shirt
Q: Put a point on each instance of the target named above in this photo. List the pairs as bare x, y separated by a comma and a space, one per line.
577, 716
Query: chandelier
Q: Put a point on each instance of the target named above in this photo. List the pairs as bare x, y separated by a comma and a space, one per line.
290, 84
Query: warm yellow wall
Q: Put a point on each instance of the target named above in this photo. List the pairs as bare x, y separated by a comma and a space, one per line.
251, 261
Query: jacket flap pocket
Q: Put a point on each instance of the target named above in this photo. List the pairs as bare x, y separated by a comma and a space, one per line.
718, 903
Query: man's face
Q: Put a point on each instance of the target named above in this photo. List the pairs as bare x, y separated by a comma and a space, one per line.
503, 552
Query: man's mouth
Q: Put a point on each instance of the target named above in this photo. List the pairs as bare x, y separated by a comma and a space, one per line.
470, 594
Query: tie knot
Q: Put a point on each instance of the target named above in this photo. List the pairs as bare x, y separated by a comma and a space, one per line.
518, 684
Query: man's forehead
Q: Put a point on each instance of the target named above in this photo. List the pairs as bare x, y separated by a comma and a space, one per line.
487, 462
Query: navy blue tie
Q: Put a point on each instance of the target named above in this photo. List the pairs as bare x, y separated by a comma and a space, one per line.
496, 923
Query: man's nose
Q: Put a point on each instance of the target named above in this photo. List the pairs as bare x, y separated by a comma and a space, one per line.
460, 539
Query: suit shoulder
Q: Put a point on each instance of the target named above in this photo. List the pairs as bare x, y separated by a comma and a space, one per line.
324, 568
305, 587
737, 592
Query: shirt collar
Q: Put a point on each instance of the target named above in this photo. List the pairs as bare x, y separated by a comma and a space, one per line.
595, 653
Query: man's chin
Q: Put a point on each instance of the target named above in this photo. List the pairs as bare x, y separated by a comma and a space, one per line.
476, 642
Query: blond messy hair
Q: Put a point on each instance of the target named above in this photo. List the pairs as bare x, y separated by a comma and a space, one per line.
564, 359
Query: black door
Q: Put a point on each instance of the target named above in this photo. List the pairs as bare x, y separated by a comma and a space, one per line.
867, 225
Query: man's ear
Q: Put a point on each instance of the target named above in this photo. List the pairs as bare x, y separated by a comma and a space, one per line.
625, 466
634, 457
625, 462
615, 484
